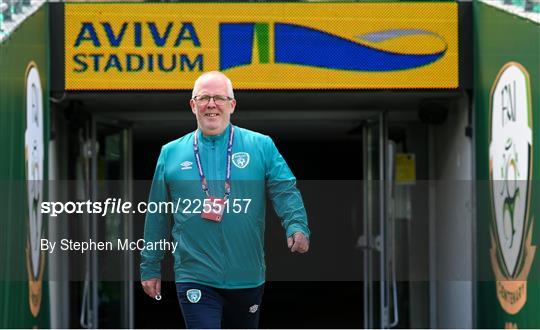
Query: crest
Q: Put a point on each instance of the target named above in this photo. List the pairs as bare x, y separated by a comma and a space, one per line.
240, 159
510, 167
193, 295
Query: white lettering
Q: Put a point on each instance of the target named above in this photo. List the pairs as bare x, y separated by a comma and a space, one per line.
46, 245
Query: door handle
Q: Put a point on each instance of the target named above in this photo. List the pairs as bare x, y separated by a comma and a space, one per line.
395, 314
393, 276
362, 244
85, 307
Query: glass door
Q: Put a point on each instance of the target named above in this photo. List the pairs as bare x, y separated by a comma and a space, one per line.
380, 308
111, 272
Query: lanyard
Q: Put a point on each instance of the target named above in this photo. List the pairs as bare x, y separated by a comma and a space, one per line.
204, 183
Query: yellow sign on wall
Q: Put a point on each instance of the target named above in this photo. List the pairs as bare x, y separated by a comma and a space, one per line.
166, 46
405, 168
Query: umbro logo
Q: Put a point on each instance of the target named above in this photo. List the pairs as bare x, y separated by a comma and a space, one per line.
186, 165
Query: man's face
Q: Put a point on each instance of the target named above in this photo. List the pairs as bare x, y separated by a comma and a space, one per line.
212, 117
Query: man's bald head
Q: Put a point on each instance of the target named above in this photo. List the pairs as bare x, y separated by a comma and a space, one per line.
213, 75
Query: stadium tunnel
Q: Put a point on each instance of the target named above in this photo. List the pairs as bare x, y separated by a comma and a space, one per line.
331, 140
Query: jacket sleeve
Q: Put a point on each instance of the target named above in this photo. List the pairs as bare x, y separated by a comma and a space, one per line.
282, 190
157, 225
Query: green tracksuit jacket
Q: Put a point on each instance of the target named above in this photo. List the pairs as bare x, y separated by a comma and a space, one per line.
227, 254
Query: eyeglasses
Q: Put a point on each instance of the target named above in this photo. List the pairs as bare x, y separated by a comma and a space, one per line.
218, 99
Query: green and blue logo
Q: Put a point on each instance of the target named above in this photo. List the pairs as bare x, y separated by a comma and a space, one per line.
306, 46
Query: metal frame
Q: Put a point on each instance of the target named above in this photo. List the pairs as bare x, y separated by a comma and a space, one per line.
93, 231
383, 276
366, 237
128, 259
367, 242
432, 262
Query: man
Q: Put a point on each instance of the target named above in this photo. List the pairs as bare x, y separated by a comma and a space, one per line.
220, 174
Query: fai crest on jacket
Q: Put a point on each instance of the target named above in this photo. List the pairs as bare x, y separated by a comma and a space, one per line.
511, 166
240, 159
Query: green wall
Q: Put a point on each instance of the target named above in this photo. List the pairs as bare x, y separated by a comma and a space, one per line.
30, 42
500, 37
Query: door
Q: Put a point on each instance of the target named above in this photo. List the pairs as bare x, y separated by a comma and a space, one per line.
108, 287
377, 240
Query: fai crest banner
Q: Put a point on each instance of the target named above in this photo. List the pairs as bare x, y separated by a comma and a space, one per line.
166, 46
511, 166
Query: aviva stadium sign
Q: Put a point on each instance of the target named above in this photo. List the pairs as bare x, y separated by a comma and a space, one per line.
166, 46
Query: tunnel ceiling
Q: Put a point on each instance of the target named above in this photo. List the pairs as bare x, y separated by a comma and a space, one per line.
294, 115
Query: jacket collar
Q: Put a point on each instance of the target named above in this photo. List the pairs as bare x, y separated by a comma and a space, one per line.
214, 138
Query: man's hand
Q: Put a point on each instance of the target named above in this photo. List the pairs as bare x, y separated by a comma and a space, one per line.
298, 242
152, 287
